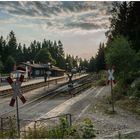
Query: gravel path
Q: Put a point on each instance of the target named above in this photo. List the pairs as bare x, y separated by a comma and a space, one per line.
110, 125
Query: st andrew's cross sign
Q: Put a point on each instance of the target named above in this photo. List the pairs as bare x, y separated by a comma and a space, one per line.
110, 76
16, 86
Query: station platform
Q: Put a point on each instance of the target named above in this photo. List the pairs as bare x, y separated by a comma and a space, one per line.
31, 81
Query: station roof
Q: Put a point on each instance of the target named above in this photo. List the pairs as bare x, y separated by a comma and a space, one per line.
42, 66
57, 68
36, 65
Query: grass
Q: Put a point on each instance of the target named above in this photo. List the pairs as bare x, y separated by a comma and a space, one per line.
101, 82
130, 105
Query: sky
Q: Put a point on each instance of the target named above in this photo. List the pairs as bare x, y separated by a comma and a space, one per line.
80, 25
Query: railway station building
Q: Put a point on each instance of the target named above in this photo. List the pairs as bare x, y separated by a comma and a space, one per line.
37, 70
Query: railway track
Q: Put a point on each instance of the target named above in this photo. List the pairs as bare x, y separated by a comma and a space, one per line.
81, 85
29, 87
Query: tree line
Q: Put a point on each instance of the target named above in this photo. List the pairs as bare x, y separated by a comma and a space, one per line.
122, 50
123, 47
39, 52
97, 63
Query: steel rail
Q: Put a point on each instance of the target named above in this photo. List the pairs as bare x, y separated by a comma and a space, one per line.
29, 87
26, 88
50, 94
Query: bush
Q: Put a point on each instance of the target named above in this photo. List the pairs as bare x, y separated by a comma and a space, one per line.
9, 125
1, 67
87, 129
39, 132
135, 91
138, 85
63, 131
119, 92
101, 82
60, 131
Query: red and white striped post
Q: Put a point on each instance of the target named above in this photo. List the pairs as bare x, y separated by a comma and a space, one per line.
16, 86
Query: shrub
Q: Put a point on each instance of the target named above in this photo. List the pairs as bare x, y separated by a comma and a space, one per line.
101, 82
88, 131
119, 92
11, 129
135, 91
138, 85
60, 131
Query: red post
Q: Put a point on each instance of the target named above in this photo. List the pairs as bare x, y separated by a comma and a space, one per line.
23, 99
12, 102
21, 78
10, 81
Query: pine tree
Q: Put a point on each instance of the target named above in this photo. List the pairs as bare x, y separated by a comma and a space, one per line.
125, 21
44, 57
100, 58
11, 47
91, 65
20, 57
60, 56
133, 25
9, 64
1, 65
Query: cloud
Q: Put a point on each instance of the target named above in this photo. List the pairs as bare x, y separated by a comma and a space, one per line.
47, 8
86, 26
56, 15
79, 24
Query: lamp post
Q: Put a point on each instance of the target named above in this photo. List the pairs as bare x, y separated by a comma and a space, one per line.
78, 64
67, 67
79, 71
70, 82
45, 76
48, 72
49, 66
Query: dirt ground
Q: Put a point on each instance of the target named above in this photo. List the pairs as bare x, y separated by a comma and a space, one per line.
94, 104
121, 124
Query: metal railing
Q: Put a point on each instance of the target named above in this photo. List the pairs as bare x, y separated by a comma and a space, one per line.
8, 127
